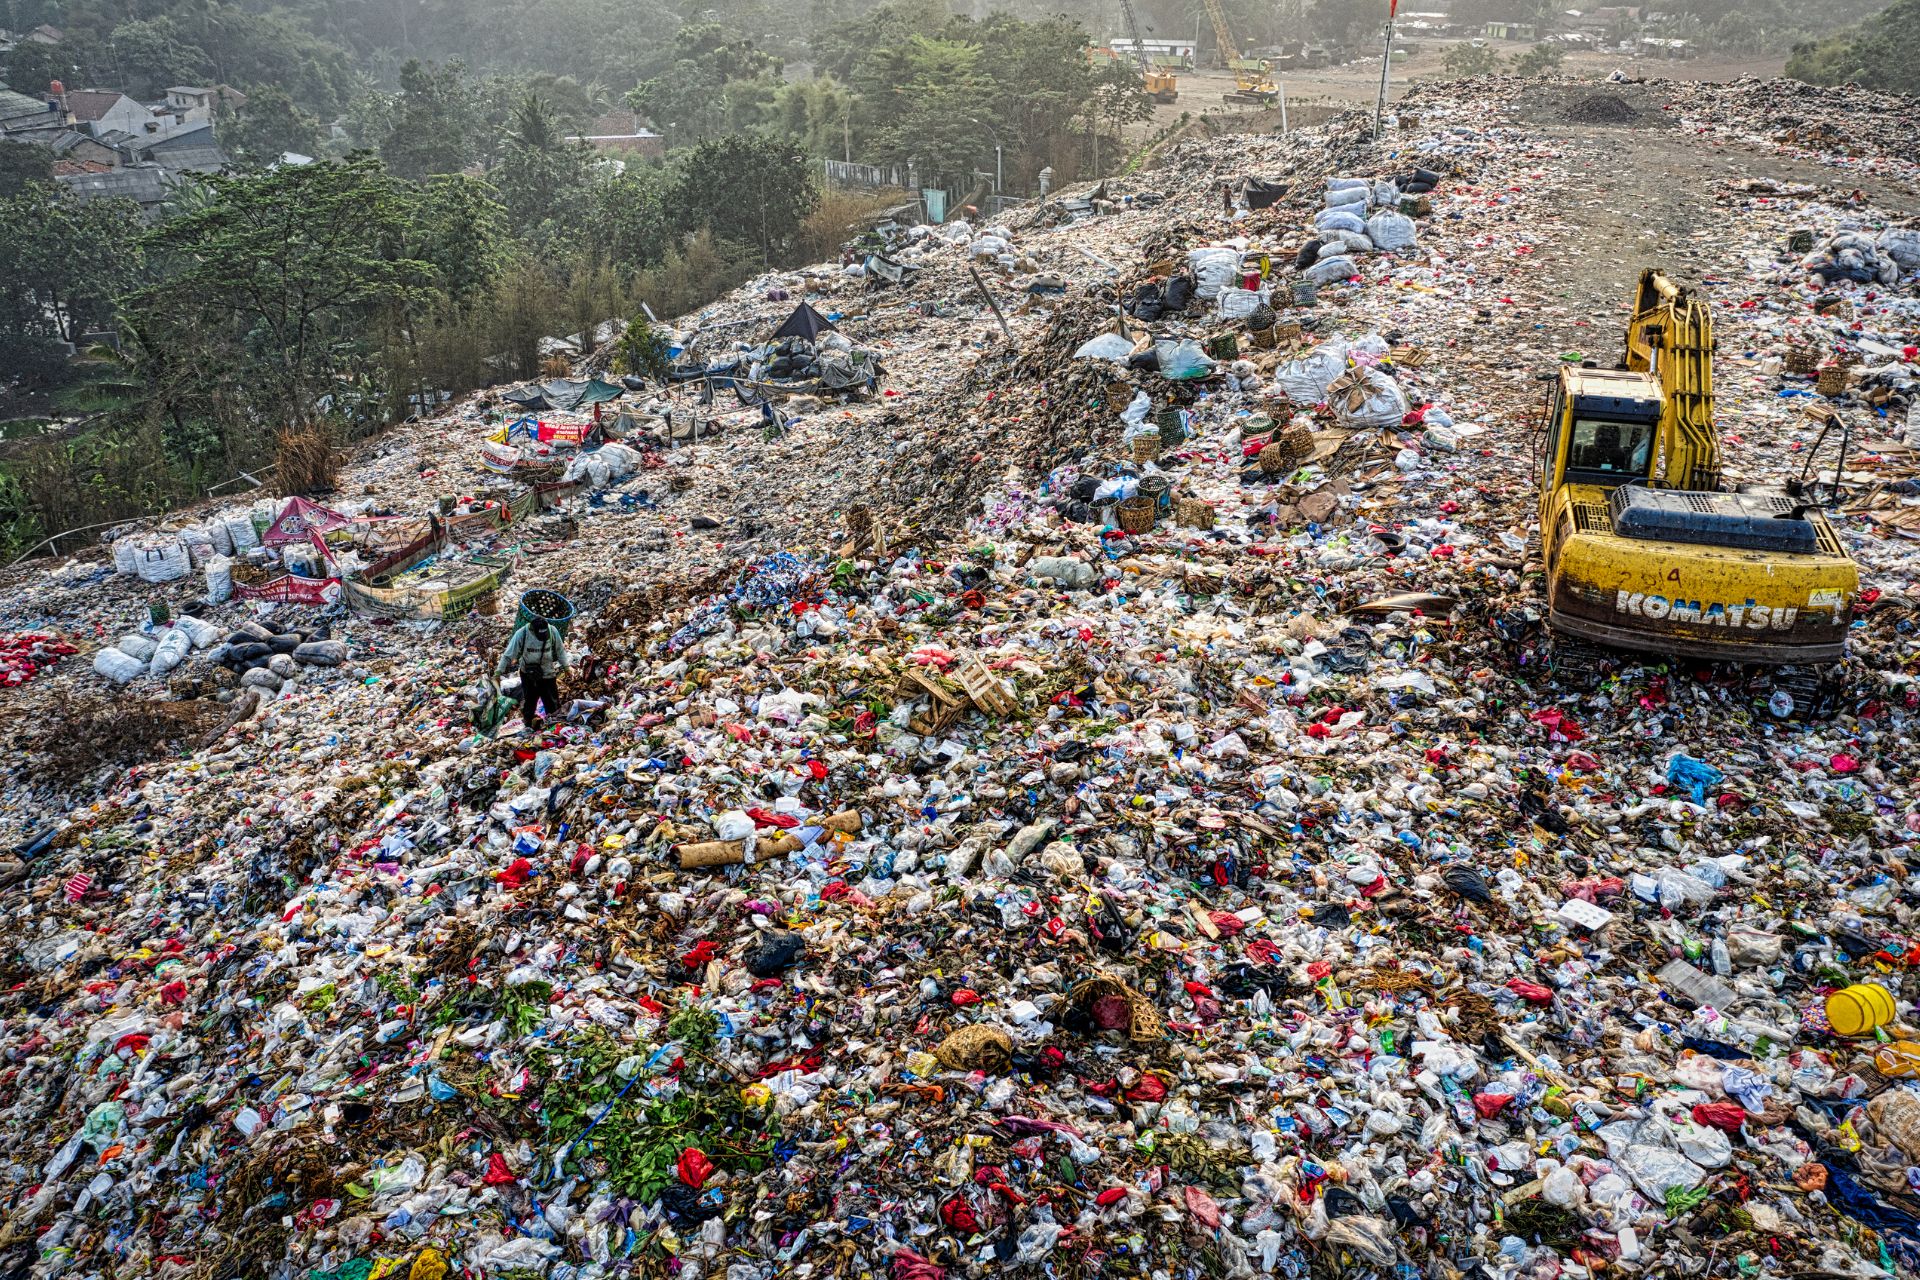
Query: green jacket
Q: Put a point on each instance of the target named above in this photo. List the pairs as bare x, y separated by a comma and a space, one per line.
527, 650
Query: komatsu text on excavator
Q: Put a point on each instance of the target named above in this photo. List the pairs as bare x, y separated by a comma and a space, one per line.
1646, 548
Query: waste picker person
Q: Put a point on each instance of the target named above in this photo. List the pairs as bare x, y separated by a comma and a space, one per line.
537, 649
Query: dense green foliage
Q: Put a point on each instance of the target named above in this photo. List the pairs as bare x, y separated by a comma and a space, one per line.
1881, 53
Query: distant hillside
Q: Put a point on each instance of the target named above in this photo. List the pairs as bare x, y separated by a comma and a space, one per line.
1882, 53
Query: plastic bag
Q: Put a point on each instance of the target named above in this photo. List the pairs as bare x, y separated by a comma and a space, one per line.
1902, 244
1338, 220
161, 558
1105, 346
1374, 400
1328, 270
117, 666
1183, 360
1305, 381
202, 634
219, 580
1213, 270
171, 652
135, 645
1390, 230
1238, 304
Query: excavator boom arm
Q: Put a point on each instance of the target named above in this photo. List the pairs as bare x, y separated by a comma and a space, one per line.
1671, 337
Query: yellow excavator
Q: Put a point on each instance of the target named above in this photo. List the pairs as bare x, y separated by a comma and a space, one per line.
1647, 549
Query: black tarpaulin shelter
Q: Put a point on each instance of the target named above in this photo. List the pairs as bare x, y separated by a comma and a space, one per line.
531, 399
805, 322
1262, 194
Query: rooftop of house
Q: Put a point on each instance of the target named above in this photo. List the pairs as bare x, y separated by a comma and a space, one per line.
88, 105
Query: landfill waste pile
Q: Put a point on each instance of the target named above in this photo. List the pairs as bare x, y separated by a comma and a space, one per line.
1091, 803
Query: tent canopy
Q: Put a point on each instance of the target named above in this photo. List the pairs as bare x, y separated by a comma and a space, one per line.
301, 522
805, 322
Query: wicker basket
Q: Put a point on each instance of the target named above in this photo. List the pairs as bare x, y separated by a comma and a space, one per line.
976, 1048
1191, 513
1173, 427
1119, 395
1136, 515
1832, 380
1802, 361
1223, 346
1145, 448
1262, 339
1102, 997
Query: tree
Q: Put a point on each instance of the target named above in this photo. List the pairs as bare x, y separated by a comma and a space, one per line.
66, 259
21, 165
434, 122
625, 215
1540, 60
539, 170
458, 225
1119, 99
641, 350
270, 127
714, 80
292, 262
33, 66
1881, 53
144, 57
1465, 60
750, 190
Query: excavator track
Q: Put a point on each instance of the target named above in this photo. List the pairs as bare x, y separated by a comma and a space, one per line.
1815, 690
1578, 664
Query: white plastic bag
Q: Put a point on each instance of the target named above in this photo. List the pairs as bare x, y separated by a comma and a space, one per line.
1213, 270
1390, 230
1338, 220
136, 646
171, 652
1238, 304
219, 580
1902, 244
1305, 381
117, 666
1105, 346
1374, 400
202, 634
1183, 360
241, 533
1328, 270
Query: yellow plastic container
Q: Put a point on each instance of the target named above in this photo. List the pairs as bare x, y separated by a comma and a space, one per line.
1860, 1009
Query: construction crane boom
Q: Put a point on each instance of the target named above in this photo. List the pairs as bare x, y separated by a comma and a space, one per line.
1133, 33
1222, 36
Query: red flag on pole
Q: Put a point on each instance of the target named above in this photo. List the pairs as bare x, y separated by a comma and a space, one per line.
1393, 7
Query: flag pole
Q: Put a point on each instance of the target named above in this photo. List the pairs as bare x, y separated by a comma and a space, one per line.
1386, 59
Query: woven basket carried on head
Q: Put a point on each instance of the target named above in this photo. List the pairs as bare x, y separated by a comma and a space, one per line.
1192, 513
1116, 1006
1136, 515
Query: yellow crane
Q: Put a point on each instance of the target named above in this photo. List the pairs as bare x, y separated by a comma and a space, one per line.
1646, 547
1160, 84
1252, 77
